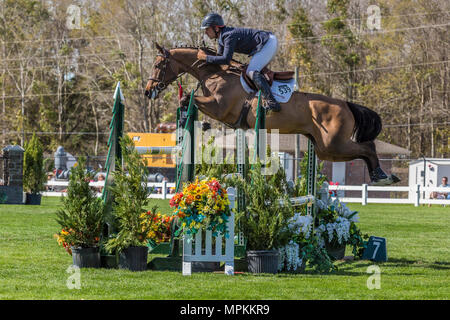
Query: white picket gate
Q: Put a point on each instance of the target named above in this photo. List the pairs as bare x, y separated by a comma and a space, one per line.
198, 255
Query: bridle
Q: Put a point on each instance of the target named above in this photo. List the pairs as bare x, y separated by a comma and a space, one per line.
161, 84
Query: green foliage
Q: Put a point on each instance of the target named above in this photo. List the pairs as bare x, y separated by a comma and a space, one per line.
82, 211
264, 220
130, 195
211, 169
316, 256
34, 175
357, 240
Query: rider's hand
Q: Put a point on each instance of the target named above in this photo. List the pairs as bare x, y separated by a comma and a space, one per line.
201, 55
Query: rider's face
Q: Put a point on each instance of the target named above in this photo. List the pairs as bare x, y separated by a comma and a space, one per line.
211, 33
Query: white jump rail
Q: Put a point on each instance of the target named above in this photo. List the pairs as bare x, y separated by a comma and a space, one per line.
416, 194
100, 184
298, 201
198, 255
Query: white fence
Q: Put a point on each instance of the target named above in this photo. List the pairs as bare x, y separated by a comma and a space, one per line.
416, 194
61, 185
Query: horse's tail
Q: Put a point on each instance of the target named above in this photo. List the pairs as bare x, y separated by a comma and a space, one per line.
367, 123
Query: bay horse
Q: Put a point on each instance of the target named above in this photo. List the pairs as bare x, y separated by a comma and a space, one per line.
340, 130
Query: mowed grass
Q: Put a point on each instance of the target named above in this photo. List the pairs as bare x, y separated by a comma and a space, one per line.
33, 266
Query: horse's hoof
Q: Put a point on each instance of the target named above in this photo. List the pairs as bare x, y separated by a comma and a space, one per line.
381, 182
386, 181
394, 178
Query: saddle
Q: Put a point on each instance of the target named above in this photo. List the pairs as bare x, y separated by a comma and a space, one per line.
268, 74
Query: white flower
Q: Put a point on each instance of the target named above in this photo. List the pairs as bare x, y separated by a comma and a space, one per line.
319, 231
301, 224
289, 257
321, 204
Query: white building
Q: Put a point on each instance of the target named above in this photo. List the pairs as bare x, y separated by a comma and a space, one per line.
428, 172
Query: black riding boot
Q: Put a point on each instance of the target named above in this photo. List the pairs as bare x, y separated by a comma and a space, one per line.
261, 83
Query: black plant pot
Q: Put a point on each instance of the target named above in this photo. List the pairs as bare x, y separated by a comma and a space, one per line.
86, 257
134, 258
264, 261
336, 253
33, 199
108, 261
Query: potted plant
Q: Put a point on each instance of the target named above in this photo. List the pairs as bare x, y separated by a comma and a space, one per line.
133, 225
81, 219
264, 220
336, 228
34, 175
303, 248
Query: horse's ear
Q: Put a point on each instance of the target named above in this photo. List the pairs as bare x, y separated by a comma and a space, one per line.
160, 49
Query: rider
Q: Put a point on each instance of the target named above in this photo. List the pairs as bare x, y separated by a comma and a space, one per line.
260, 45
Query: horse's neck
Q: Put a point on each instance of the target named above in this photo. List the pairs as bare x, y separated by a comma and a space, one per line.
218, 80
188, 59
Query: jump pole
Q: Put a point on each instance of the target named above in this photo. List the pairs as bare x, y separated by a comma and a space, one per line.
186, 118
114, 151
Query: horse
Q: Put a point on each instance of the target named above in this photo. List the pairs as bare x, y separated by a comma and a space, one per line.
340, 130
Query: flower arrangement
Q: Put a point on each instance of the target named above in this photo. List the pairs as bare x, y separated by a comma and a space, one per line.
337, 226
289, 257
63, 239
158, 226
303, 247
202, 205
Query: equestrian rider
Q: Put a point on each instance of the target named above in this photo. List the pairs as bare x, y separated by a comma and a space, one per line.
260, 45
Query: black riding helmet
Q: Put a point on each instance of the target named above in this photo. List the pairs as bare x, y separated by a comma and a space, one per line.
211, 20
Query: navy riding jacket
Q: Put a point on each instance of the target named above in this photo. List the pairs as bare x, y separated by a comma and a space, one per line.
240, 40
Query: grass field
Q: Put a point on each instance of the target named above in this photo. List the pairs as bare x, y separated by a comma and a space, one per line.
33, 266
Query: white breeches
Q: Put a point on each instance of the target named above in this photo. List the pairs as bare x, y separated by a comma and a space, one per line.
263, 57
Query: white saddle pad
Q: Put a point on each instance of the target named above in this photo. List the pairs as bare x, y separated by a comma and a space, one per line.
281, 90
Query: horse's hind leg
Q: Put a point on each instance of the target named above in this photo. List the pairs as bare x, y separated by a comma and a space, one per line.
361, 150
377, 175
